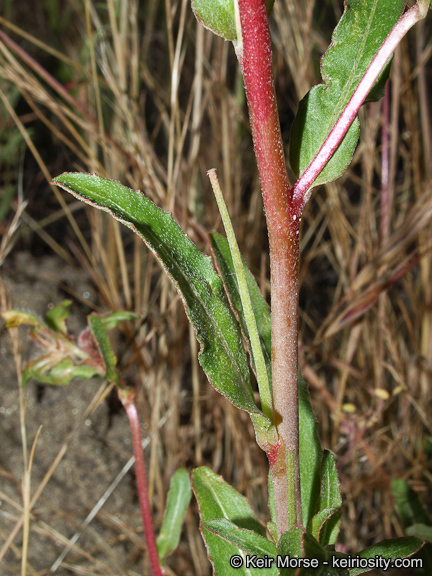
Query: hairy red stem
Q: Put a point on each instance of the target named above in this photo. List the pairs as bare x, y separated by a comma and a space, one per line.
303, 184
128, 401
283, 229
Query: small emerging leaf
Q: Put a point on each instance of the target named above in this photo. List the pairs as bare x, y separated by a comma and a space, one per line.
179, 496
111, 321
99, 334
57, 316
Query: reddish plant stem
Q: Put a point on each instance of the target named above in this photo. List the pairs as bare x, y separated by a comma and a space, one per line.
283, 229
127, 398
407, 21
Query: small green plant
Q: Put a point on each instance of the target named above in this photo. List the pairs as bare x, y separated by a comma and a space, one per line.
228, 313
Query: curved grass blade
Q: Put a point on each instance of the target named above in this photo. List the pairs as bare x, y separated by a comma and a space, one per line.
222, 354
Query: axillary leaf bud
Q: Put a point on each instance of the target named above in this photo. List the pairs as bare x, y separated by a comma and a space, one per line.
219, 16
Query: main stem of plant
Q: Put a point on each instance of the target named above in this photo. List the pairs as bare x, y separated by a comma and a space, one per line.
255, 57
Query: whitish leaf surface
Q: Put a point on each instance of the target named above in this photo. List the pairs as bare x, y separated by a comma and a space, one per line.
362, 29
222, 354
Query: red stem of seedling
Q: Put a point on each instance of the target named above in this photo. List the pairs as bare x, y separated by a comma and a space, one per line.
255, 58
127, 398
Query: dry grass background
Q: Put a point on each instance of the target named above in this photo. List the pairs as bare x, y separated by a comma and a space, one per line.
137, 91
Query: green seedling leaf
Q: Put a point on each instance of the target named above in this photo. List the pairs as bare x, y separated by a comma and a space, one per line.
47, 369
15, 318
62, 359
222, 256
310, 455
99, 334
362, 29
219, 16
330, 498
222, 354
246, 540
290, 546
408, 504
388, 550
217, 499
111, 321
179, 496
57, 316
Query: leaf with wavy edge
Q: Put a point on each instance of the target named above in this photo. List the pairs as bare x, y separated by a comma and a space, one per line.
222, 354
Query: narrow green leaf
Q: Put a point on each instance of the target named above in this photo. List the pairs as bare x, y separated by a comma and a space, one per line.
408, 504
56, 317
362, 29
111, 321
102, 340
222, 255
389, 549
217, 499
246, 540
222, 354
310, 455
179, 496
422, 531
261, 366
330, 498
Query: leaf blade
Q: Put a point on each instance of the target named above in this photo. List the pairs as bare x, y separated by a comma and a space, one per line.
222, 355
355, 41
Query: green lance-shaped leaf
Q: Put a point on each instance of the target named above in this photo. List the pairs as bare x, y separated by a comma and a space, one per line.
222, 255
219, 16
179, 496
99, 334
246, 540
362, 29
408, 504
248, 312
310, 455
330, 499
217, 499
222, 354
389, 549
111, 321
